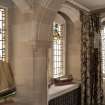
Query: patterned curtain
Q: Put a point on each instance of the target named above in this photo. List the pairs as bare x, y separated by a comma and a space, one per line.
91, 74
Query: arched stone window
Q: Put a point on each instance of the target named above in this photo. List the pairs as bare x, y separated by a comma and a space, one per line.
56, 53
58, 50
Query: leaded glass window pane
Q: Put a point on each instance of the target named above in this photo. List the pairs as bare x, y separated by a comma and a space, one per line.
58, 44
3, 35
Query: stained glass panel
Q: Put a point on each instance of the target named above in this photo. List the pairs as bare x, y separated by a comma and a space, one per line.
58, 62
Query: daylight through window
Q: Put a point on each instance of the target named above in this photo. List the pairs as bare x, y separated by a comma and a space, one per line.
58, 44
103, 48
3, 35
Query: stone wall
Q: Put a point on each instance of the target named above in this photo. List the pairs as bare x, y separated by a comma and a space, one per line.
29, 41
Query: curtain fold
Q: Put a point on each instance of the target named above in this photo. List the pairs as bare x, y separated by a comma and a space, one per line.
91, 74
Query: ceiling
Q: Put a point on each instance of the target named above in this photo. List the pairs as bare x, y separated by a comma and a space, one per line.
92, 4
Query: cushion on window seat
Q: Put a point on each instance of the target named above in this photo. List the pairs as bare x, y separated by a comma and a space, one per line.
64, 80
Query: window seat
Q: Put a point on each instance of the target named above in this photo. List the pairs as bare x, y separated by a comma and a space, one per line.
56, 91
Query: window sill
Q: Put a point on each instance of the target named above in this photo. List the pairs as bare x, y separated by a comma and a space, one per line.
55, 91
